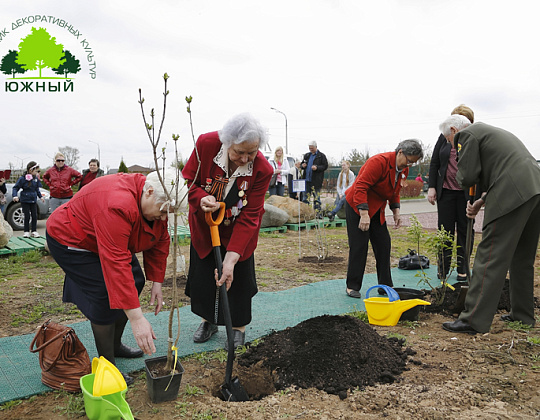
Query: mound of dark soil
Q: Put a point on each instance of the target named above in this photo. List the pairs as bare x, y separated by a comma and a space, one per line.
330, 353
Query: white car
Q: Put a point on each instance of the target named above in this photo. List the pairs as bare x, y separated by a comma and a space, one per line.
13, 211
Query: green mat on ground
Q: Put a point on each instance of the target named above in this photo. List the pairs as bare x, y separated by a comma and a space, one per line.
20, 374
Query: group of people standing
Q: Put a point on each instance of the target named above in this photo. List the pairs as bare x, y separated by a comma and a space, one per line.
95, 235
60, 178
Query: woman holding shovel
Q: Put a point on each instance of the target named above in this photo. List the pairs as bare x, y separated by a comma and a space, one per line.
226, 166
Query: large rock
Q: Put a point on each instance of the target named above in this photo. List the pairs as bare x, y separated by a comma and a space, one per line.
273, 216
290, 206
6, 232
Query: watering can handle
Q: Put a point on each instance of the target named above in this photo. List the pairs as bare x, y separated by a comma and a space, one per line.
392, 294
214, 230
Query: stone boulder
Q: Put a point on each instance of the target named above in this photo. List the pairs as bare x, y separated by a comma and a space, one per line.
6, 232
273, 216
290, 206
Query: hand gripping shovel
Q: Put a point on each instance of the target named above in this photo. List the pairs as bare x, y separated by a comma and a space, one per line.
232, 389
460, 301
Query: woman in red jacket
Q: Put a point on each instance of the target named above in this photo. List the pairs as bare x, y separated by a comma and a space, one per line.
94, 238
379, 181
60, 178
232, 170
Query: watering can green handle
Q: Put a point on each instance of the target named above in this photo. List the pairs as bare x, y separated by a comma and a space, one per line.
392, 294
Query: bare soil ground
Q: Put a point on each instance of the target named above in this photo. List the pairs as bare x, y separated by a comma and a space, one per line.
430, 373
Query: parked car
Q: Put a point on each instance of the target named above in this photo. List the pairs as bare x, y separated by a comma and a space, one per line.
13, 211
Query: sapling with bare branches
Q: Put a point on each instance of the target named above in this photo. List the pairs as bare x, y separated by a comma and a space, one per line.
176, 197
435, 243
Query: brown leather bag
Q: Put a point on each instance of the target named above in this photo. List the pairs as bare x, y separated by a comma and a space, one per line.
62, 356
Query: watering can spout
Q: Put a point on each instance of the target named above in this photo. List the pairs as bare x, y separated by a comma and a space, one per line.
405, 305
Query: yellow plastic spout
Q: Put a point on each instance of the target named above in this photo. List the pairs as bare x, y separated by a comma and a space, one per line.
404, 305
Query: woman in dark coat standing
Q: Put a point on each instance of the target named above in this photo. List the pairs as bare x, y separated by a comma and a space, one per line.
450, 198
231, 170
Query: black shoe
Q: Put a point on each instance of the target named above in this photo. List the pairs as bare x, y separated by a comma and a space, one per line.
353, 293
239, 339
459, 326
381, 291
204, 332
331, 217
507, 318
129, 379
128, 352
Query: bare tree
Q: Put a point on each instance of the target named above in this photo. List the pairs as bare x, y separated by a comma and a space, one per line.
71, 154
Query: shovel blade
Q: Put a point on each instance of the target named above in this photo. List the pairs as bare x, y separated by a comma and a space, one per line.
459, 306
234, 391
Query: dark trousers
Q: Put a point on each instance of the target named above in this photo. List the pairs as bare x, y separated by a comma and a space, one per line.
29, 209
509, 243
311, 189
359, 240
452, 217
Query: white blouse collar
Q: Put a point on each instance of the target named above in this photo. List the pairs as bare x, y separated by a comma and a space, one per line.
222, 160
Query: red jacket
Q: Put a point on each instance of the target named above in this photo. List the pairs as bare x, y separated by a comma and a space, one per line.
105, 218
61, 180
376, 184
242, 234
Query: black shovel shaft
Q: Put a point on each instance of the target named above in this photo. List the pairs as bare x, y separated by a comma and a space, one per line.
226, 316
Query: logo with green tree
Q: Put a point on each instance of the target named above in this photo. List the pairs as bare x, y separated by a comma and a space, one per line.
38, 51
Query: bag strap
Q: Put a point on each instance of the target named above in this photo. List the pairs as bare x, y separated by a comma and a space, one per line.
56, 337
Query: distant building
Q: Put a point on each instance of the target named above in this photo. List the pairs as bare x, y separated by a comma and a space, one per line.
133, 169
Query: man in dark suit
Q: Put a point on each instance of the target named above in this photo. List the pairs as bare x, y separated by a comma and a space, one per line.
314, 164
509, 177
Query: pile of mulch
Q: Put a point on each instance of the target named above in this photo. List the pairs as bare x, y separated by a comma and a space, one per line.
330, 353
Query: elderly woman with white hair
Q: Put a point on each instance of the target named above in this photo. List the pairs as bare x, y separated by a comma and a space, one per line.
226, 166
94, 238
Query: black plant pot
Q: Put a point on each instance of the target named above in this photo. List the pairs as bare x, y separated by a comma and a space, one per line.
162, 388
406, 294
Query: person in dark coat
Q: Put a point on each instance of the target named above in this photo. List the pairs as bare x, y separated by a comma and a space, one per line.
314, 164
509, 177
29, 184
93, 172
451, 200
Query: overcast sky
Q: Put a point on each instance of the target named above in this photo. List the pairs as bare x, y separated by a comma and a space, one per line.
349, 74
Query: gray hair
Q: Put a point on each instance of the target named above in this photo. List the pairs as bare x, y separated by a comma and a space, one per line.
169, 179
411, 147
241, 128
459, 122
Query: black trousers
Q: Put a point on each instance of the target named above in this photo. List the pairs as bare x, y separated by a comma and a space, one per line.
359, 240
451, 208
30, 213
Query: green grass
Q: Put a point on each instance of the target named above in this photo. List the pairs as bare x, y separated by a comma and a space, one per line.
533, 340
72, 404
518, 326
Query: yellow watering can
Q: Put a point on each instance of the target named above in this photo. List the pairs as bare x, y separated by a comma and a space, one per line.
104, 392
387, 310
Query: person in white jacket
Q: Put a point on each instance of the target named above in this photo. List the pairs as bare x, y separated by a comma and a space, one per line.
344, 181
281, 173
